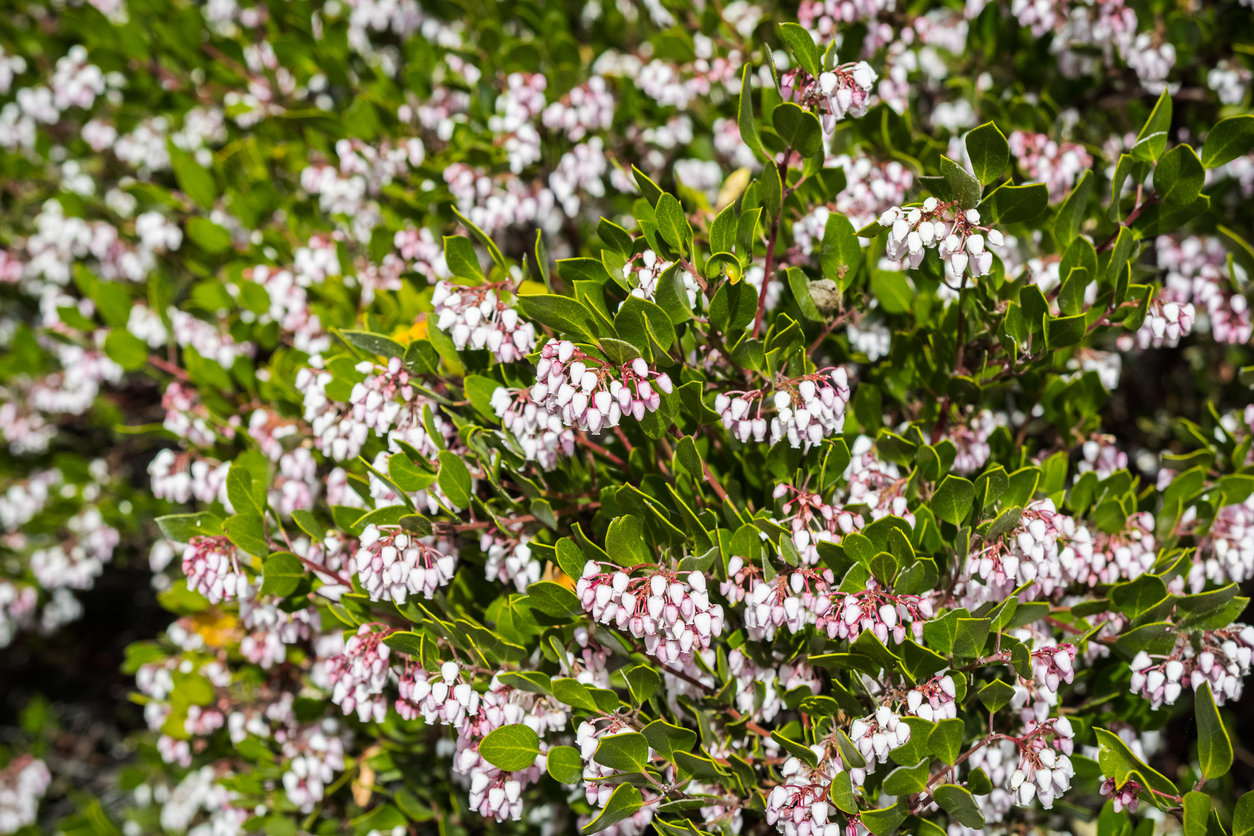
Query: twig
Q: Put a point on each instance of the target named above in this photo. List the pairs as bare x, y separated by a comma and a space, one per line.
169, 368
599, 450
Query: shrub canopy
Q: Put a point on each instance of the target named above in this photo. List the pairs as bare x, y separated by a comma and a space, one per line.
672, 416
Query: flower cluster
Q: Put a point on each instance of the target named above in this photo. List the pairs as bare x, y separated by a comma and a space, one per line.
590, 393
358, 675
479, 318
539, 432
814, 521
801, 805
883, 613
1044, 772
934, 700
394, 563
1124, 796
1218, 657
808, 409
958, 240
212, 566
674, 617
297, 337
448, 699
22, 783
1043, 160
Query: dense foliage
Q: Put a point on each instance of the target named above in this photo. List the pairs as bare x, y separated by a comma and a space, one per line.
672, 416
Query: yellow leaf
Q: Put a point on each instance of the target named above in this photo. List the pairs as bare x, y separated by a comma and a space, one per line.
406, 335
732, 188
217, 628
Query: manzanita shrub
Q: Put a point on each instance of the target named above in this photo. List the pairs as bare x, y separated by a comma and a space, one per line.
686, 417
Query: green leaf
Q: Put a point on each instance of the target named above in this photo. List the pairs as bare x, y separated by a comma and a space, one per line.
1073, 211
673, 223
407, 642
562, 314
1152, 140
511, 748
247, 531
421, 357
945, 740
195, 182
893, 291
803, 48
966, 189
623, 803
800, 287
907, 780
565, 765
840, 254
1123, 762
643, 683
1014, 204
454, 479
1214, 746
797, 750
208, 236
952, 500
462, 260
574, 693
841, 793
281, 573
848, 752
1196, 813
645, 325
733, 307
988, 151
744, 114
125, 349
971, 636
960, 804
1178, 177
667, 739
376, 344
1065, 331
624, 541
917, 746
995, 695
1243, 816
553, 599
1230, 138
309, 524
181, 528
799, 129
885, 820
240, 492
570, 559
1138, 595
772, 190
626, 751
1071, 294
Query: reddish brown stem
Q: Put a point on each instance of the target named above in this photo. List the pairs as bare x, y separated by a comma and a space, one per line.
168, 367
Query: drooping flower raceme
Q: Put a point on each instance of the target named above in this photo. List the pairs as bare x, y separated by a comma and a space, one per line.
358, 675
395, 563
671, 612
590, 393
956, 236
479, 318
